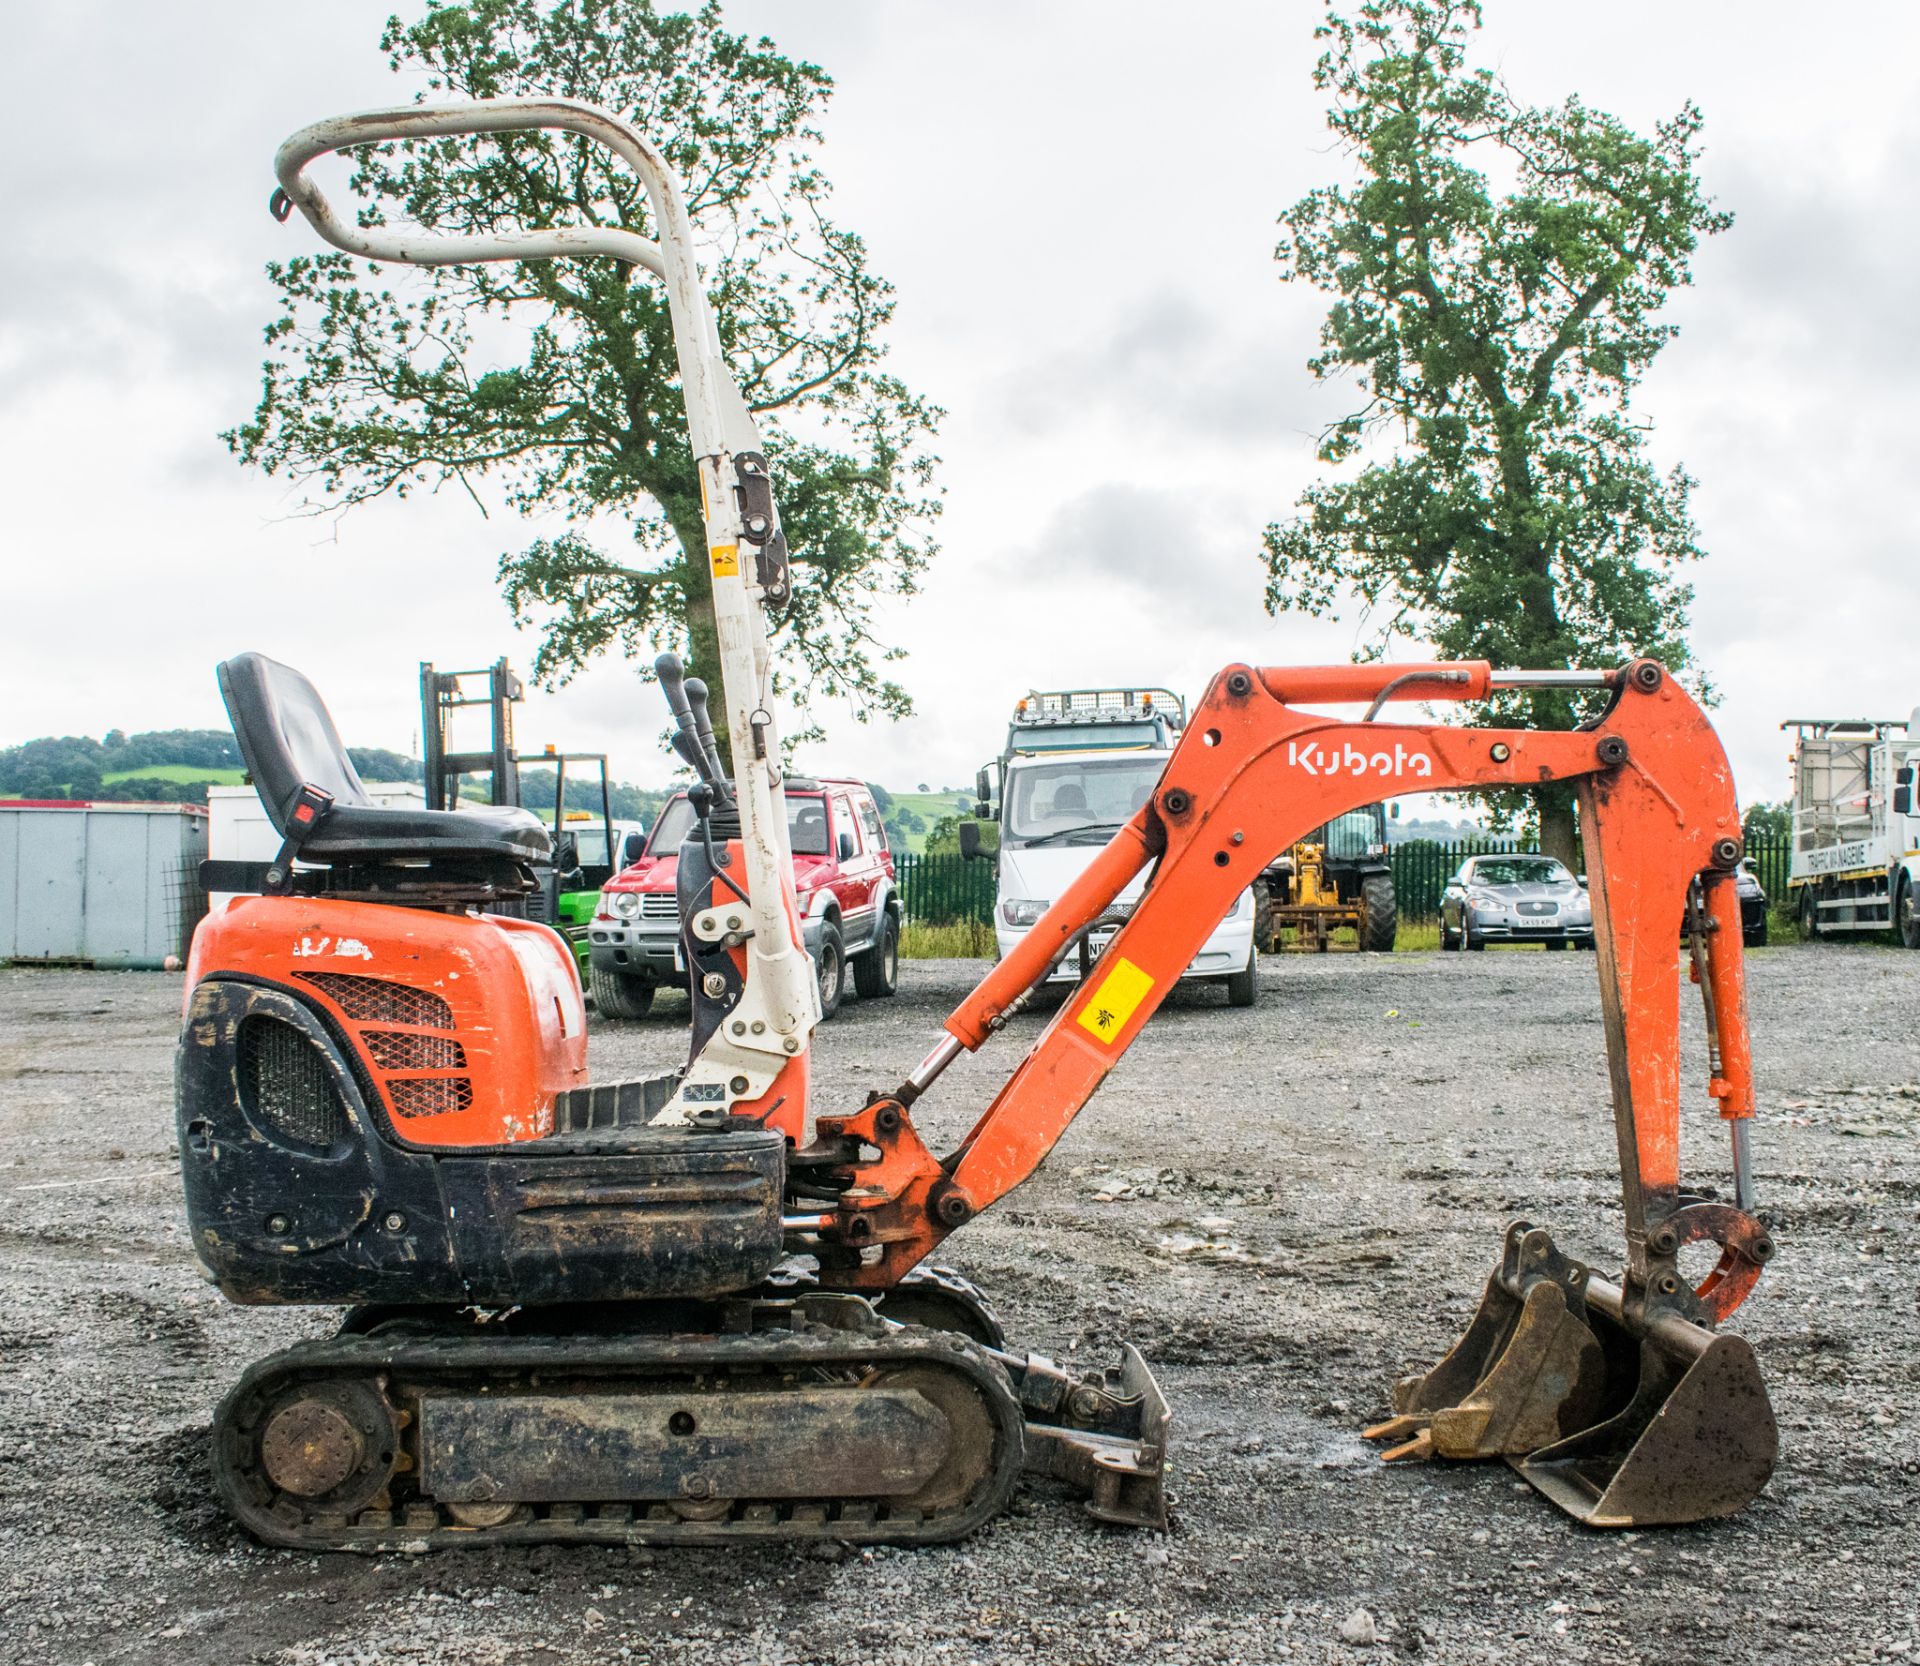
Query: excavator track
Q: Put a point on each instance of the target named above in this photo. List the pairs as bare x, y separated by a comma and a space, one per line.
800, 1420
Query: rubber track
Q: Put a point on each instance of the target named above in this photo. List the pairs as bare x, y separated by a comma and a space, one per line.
626, 1362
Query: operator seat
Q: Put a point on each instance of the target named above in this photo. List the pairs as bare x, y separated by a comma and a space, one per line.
1069, 799
289, 742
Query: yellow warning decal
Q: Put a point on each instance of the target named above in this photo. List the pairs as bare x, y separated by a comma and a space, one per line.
1123, 988
726, 560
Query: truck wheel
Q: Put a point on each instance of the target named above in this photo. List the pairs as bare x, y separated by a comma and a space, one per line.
1906, 921
1379, 914
1264, 941
876, 974
620, 994
1809, 913
830, 966
1243, 987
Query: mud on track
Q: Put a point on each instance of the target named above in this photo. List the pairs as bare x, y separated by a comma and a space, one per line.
1284, 1207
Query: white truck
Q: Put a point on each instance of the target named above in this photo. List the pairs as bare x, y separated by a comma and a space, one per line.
1077, 764
1856, 837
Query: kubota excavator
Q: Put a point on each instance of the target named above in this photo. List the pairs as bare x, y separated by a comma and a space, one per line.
694, 1308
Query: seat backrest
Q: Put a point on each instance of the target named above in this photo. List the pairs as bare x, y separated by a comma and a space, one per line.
285, 735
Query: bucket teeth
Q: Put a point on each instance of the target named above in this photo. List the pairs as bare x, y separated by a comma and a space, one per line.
1621, 1420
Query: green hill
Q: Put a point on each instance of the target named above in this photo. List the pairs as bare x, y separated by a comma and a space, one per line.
185, 774
910, 816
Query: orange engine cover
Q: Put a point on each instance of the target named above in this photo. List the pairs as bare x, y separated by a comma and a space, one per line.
467, 1025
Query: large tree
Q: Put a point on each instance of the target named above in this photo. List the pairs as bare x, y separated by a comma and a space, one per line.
1497, 274
553, 386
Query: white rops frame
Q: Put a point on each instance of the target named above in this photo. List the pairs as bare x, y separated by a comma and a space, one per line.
781, 1003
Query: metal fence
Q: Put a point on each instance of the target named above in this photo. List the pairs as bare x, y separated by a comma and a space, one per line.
948, 889
945, 889
1422, 867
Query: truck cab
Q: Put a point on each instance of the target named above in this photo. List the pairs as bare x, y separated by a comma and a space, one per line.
843, 872
1078, 764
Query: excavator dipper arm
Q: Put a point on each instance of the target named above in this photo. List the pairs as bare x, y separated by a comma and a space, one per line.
1252, 774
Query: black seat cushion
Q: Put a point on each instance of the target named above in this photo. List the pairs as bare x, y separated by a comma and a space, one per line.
288, 739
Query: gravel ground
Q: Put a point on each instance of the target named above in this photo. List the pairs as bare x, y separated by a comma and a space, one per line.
1354, 1145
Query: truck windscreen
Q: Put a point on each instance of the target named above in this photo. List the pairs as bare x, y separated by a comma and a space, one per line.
1078, 800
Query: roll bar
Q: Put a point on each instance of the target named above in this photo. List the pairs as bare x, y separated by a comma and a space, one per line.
781, 1003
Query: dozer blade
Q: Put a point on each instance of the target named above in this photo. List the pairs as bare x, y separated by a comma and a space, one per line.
1695, 1439
1528, 1371
1104, 1436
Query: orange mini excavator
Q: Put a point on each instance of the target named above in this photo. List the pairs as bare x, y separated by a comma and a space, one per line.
692, 1308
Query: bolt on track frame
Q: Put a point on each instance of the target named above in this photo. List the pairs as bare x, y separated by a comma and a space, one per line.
1251, 774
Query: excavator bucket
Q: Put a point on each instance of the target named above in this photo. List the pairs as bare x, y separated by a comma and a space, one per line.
1619, 1424
1695, 1437
1529, 1370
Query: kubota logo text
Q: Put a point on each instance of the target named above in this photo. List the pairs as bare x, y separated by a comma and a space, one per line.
1349, 759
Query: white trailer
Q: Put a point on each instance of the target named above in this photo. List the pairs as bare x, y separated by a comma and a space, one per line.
239, 831
1856, 837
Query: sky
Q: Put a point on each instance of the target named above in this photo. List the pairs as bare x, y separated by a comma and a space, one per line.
1076, 200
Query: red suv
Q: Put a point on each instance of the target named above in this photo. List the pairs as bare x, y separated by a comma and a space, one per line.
842, 869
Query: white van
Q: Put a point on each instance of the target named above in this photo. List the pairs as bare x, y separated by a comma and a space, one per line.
1057, 811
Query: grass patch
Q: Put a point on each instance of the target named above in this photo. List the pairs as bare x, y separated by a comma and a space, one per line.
1416, 936
967, 940
187, 775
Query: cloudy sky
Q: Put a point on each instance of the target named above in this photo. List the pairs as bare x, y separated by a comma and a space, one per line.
1076, 200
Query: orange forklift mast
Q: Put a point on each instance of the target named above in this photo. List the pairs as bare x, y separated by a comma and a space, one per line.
687, 1309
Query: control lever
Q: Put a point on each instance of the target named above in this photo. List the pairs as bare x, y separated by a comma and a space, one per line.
686, 739
703, 727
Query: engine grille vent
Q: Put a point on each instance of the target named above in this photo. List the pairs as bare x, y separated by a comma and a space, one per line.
413, 1096
285, 1083
403, 1050
375, 1001
659, 905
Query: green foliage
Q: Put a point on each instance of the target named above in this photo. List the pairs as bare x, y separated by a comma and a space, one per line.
629, 803
171, 766
943, 838
1505, 507
1767, 823
376, 763
371, 389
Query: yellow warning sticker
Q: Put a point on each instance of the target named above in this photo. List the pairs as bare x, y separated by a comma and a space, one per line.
726, 560
1123, 988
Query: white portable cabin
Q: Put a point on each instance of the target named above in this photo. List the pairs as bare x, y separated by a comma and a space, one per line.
241, 832
92, 884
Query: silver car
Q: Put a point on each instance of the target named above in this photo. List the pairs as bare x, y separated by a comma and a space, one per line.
1514, 899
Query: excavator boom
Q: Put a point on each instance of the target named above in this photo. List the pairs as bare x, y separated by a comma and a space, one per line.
1254, 772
